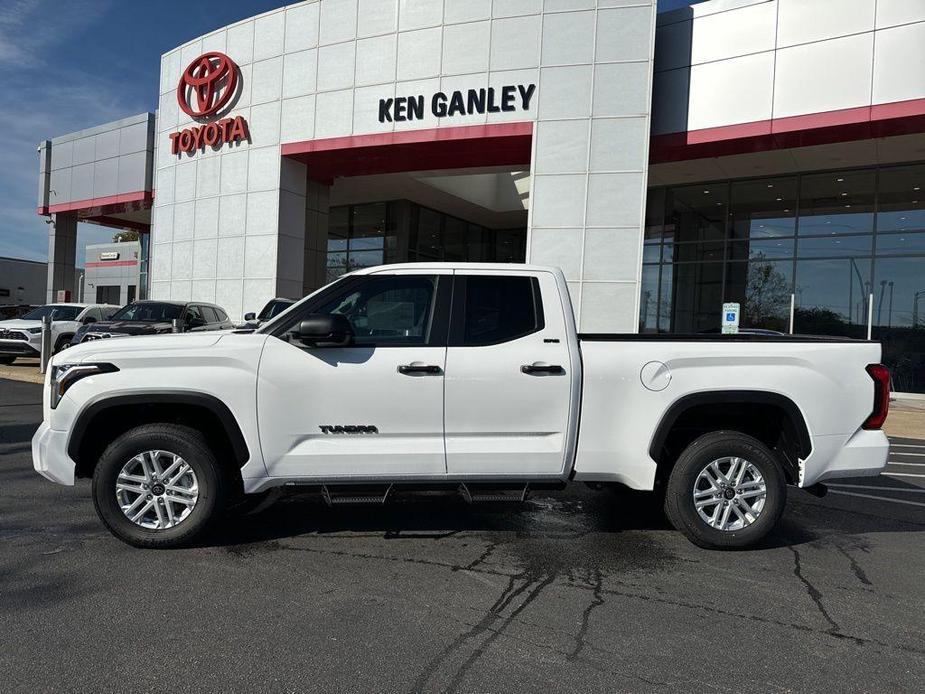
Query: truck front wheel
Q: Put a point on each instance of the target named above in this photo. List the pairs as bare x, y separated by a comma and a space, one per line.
159, 486
726, 491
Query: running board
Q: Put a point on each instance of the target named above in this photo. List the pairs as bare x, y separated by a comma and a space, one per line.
335, 497
472, 493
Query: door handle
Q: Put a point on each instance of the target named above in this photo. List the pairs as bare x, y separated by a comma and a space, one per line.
539, 367
418, 367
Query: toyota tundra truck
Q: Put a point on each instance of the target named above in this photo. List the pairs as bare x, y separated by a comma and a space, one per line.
466, 378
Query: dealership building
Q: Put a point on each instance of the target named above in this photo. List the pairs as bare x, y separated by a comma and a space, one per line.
763, 152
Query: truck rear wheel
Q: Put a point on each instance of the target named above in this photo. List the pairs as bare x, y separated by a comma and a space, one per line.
726, 491
159, 486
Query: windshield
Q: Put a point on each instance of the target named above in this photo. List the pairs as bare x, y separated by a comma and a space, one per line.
148, 312
56, 312
274, 308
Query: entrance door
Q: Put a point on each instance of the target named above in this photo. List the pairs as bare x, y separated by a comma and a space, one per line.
371, 409
508, 406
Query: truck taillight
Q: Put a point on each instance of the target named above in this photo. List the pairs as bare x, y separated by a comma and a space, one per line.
881, 376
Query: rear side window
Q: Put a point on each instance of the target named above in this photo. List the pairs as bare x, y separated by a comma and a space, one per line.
222, 316
496, 309
209, 314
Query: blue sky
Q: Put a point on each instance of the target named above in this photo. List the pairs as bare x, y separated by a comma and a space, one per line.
66, 65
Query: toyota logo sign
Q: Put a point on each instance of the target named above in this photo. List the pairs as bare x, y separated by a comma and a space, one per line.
206, 87
212, 78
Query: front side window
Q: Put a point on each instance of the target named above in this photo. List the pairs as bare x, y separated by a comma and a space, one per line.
499, 309
393, 310
56, 312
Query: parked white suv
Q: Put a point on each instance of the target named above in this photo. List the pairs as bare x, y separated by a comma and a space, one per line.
470, 379
22, 337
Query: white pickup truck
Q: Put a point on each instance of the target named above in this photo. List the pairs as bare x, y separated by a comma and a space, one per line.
459, 377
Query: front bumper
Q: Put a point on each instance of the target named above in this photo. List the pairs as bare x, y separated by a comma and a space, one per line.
49, 455
864, 454
18, 348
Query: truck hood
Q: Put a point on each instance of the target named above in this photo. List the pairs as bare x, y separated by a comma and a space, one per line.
162, 345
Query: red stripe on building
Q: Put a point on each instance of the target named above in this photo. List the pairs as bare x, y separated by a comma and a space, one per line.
112, 263
501, 144
144, 197
843, 125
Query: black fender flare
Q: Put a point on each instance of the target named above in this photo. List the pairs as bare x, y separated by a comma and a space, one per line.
725, 397
160, 397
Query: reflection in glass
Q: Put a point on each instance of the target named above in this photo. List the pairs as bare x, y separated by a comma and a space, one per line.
895, 244
837, 203
823, 246
832, 297
648, 307
764, 209
763, 289
899, 320
761, 249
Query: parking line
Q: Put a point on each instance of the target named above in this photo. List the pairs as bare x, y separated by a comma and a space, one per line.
917, 455
877, 498
899, 462
907, 445
901, 474
880, 487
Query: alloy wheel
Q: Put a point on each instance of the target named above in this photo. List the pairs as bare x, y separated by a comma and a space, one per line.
157, 490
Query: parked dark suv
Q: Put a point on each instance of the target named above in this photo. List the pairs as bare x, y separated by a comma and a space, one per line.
153, 317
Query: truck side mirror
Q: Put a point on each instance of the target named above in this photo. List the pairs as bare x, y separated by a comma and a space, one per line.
325, 330
248, 317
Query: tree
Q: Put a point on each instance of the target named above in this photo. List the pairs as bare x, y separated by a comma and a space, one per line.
125, 235
767, 294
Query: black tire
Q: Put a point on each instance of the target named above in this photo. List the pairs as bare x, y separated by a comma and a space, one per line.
6, 361
62, 342
190, 445
679, 501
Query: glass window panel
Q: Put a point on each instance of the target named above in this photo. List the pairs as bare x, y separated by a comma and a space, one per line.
694, 252
761, 249
899, 320
665, 296
763, 289
764, 209
832, 297
893, 244
336, 265
696, 296
900, 201
651, 253
697, 213
837, 203
361, 259
339, 222
835, 246
510, 246
648, 304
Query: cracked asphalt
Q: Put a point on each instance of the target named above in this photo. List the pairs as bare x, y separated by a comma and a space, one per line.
578, 591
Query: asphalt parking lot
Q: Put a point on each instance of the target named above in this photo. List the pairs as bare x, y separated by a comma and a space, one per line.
573, 592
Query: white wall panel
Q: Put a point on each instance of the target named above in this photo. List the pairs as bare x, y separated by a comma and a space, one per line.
899, 63
377, 17
731, 34
465, 47
623, 34
301, 27
568, 38
739, 90
269, 34
824, 76
802, 21
894, 12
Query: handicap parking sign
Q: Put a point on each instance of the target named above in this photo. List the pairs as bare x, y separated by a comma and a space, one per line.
731, 318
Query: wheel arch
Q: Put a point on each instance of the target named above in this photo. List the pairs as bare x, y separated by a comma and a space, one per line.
772, 418
109, 416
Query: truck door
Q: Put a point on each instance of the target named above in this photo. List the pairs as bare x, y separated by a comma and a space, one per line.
510, 386
370, 409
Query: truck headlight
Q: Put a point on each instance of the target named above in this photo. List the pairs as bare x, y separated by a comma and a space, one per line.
34, 331
66, 375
